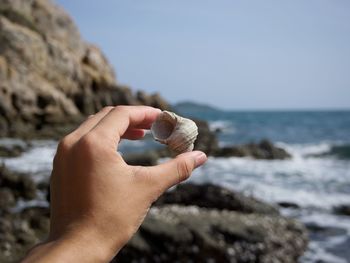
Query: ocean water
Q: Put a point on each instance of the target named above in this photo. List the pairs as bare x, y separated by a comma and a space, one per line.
316, 178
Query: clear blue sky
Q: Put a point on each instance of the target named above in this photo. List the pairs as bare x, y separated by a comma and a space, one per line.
234, 54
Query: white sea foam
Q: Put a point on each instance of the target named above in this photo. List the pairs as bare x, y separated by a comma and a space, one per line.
314, 182
37, 161
310, 149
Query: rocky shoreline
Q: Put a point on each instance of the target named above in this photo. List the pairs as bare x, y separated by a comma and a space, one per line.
50, 84
208, 143
189, 223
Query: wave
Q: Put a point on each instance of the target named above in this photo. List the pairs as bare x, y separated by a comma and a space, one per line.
307, 182
37, 161
335, 149
339, 151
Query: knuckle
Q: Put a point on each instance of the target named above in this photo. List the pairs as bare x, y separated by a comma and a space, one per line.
184, 170
107, 108
66, 143
121, 108
88, 141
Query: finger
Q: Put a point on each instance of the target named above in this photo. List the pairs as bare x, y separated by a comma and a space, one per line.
91, 122
176, 170
134, 134
121, 118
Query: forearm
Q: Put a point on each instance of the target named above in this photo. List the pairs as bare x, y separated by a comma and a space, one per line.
75, 249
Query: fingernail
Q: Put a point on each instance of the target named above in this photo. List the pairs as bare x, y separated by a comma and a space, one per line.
200, 159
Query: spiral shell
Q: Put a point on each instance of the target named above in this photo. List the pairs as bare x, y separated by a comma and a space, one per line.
177, 132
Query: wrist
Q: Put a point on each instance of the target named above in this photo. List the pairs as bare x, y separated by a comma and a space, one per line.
78, 247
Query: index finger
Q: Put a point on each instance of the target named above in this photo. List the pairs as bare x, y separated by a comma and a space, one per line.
118, 120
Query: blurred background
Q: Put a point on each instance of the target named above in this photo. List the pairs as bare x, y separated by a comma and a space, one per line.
267, 83
261, 55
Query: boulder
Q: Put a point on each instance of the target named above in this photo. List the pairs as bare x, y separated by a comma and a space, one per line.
10, 151
342, 209
206, 140
263, 150
288, 205
21, 231
21, 185
49, 76
149, 158
216, 197
7, 198
190, 234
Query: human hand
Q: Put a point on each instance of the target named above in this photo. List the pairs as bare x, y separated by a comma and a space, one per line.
98, 201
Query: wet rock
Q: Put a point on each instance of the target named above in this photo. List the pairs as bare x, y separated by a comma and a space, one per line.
212, 196
21, 185
206, 140
288, 205
145, 159
7, 198
38, 220
342, 210
323, 233
263, 150
338, 151
11, 150
191, 234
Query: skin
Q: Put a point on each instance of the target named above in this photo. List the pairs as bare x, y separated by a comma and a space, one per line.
98, 201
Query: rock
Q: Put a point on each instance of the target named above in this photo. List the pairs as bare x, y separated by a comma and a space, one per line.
206, 140
145, 159
212, 196
38, 220
21, 231
7, 199
338, 151
288, 205
48, 75
191, 234
154, 100
11, 150
21, 185
342, 210
323, 232
263, 150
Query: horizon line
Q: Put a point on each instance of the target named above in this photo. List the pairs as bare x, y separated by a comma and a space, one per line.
203, 104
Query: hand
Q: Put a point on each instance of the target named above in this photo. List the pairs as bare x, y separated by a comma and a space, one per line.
98, 201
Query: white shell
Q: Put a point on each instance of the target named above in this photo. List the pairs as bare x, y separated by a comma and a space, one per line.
177, 132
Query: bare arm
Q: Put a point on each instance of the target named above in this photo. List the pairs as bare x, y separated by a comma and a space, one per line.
98, 201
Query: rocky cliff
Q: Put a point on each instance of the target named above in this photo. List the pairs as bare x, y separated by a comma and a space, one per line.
48, 74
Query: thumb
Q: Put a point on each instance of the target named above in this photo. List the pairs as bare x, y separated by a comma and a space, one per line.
178, 169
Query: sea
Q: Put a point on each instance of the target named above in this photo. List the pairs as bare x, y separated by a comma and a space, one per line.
314, 182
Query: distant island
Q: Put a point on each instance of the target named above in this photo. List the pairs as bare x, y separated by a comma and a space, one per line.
194, 107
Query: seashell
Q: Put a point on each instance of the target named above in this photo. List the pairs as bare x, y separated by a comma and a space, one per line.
177, 132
